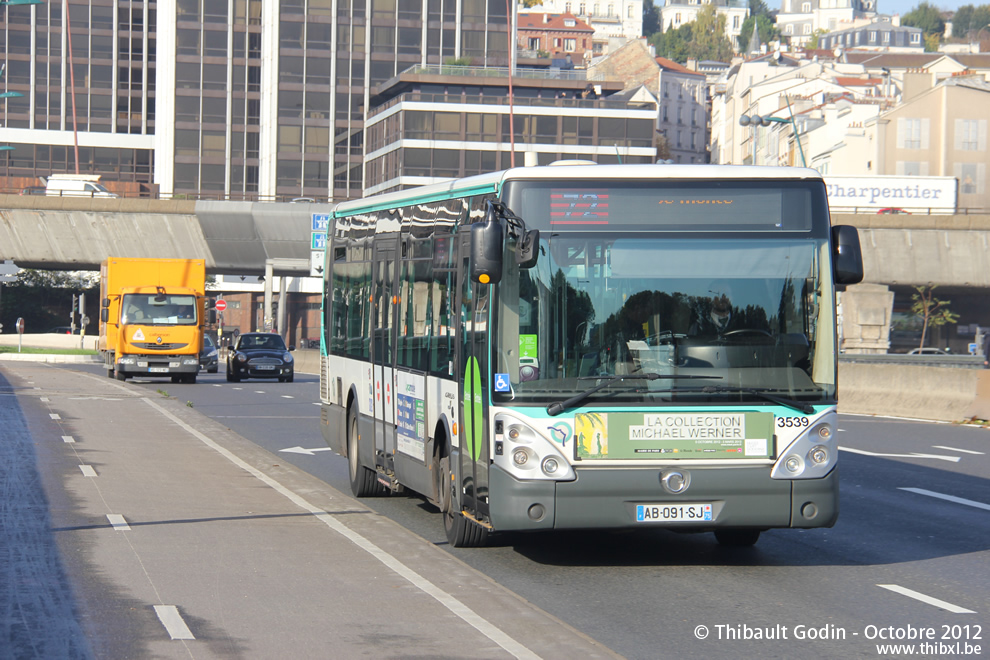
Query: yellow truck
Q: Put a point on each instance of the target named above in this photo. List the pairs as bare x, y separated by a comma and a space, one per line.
153, 313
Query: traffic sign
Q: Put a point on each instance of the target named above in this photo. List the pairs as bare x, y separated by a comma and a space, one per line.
221, 305
319, 241
316, 263
321, 221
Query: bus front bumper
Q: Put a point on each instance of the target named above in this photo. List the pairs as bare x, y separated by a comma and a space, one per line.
740, 497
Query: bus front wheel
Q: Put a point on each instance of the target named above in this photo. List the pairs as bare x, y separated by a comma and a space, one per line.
462, 532
363, 481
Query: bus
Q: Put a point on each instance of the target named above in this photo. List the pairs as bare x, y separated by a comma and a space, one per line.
591, 347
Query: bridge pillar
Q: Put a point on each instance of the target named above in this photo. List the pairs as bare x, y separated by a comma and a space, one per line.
866, 310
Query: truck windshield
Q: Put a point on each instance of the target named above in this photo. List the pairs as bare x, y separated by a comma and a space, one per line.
154, 309
716, 319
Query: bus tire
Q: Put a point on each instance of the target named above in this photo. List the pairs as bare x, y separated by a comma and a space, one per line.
364, 482
737, 538
461, 531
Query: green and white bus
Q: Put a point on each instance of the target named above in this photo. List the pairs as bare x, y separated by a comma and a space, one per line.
590, 347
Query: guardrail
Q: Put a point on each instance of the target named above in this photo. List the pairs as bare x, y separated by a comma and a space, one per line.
957, 361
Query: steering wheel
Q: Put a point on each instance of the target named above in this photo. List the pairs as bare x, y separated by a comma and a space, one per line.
747, 331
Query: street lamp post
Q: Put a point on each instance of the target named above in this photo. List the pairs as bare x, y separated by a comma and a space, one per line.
756, 120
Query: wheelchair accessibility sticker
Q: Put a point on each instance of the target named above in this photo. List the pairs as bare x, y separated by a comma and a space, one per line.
501, 382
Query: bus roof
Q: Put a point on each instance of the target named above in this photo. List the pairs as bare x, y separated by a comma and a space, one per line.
493, 182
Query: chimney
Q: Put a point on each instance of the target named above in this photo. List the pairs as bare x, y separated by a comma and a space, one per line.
546, 18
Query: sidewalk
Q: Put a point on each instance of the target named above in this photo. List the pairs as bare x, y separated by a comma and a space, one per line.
180, 538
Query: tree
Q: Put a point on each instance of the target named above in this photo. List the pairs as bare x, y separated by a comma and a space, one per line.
961, 21
651, 19
813, 42
927, 17
932, 311
710, 42
765, 29
674, 44
529, 4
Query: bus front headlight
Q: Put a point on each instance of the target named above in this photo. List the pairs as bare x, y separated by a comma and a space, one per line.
811, 455
526, 453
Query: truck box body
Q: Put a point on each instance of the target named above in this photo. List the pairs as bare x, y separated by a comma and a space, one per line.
152, 317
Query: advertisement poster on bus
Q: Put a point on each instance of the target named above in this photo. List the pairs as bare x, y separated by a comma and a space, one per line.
625, 436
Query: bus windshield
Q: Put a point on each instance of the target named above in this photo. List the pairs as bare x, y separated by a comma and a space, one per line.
154, 309
716, 319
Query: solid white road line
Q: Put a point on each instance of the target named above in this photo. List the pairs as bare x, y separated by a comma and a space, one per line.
948, 498
965, 451
87, 470
458, 608
118, 522
910, 593
172, 620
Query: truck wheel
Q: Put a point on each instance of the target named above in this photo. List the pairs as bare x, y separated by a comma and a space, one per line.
119, 375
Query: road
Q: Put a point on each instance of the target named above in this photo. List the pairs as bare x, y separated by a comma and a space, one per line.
907, 558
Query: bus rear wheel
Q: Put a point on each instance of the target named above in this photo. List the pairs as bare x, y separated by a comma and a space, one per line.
738, 538
462, 532
363, 481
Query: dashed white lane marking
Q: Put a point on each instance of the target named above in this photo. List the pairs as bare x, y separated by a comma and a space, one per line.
259, 391
68, 438
965, 451
288, 396
458, 608
173, 622
45, 399
948, 498
54, 416
910, 593
118, 522
87, 470
938, 457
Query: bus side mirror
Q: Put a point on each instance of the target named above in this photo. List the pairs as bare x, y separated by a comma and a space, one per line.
104, 315
486, 251
847, 257
527, 249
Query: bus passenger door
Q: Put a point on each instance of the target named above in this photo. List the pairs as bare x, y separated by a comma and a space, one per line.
472, 348
383, 349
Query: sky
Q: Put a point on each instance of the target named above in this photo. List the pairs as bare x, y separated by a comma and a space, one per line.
904, 6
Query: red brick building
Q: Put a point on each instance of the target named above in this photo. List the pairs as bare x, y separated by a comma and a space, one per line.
562, 34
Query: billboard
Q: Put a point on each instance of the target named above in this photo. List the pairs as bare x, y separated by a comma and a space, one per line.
929, 193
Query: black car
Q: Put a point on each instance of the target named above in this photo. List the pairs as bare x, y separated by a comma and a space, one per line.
208, 360
260, 355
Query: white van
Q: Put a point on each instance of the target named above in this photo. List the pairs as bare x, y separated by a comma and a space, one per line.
76, 185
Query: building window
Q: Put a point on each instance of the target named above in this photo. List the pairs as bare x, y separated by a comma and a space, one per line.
629, 12
886, 37
570, 45
805, 7
789, 28
735, 22
807, 28
968, 132
873, 36
916, 37
971, 177
582, 9
912, 133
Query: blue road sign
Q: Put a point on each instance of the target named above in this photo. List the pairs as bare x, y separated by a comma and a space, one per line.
321, 221
319, 241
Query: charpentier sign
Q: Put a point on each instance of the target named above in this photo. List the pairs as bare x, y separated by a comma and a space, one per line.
937, 193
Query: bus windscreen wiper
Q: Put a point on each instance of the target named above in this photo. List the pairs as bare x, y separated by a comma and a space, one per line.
802, 406
560, 406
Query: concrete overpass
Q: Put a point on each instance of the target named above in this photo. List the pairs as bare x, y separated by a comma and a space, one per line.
252, 238
235, 238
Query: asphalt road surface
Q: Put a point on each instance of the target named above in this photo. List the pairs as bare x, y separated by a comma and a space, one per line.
905, 565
